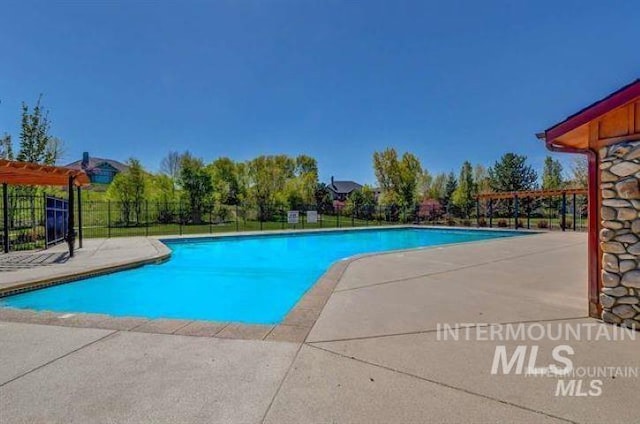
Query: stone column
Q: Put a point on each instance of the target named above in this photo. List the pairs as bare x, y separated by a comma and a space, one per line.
620, 233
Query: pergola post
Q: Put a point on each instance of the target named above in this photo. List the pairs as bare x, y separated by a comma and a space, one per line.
564, 211
515, 199
477, 212
79, 218
5, 210
574, 213
490, 213
71, 235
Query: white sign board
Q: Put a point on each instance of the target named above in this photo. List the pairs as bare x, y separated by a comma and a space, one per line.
312, 217
292, 217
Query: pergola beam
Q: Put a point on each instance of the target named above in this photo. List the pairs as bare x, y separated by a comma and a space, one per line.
531, 193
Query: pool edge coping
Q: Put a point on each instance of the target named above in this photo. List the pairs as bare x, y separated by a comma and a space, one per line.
295, 327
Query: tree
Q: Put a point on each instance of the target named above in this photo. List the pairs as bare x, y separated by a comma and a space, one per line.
438, 187
552, 174
481, 177
36, 144
307, 174
224, 178
6, 149
398, 178
450, 187
580, 172
323, 198
464, 195
129, 188
511, 173
170, 165
361, 203
268, 176
196, 184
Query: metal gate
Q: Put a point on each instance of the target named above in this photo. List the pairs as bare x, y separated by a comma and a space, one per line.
56, 219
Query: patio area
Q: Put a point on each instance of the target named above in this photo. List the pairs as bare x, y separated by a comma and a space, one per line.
372, 356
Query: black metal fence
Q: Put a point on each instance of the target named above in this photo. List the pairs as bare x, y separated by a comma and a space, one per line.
25, 221
26, 217
113, 219
567, 212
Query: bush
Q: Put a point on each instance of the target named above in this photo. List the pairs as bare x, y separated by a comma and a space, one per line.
482, 222
451, 222
466, 223
502, 223
543, 224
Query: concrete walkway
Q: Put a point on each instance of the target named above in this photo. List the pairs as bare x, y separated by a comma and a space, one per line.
373, 355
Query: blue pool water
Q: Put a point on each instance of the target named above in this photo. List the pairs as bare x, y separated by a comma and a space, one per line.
249, 279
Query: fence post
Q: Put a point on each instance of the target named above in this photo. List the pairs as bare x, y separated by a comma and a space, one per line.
529, 214
5, 209
180, 217
211, 219
146, 217
283, 219
337, 217
109, 218
237, 223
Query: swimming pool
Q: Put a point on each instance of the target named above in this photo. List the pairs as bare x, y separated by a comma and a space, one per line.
246, 279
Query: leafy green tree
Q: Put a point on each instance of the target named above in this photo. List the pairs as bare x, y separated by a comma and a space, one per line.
552, 174
129, 189
307, 174
450, 187
36, 144
437, 190
361, 203
323, 199
268, 176
481, 178
195, 182
398, 178
224, 178
511, 173
579, 172
464, 195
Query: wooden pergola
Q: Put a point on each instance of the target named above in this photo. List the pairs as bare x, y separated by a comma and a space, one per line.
33, 174
611, 120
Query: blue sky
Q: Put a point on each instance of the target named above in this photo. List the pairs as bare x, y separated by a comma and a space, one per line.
447, 80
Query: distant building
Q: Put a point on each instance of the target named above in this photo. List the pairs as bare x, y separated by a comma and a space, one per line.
100, 171
340, 190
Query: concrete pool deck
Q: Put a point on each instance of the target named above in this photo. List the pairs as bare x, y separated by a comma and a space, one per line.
372, 356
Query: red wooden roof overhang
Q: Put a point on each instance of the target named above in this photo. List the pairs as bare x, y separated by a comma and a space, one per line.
25, 173
611, 120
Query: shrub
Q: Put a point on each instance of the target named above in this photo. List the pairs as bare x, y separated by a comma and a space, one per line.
482, 222
502, 223
543, 224
451, 222
466, 223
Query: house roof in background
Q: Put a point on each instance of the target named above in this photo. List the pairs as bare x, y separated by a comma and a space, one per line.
344, 187
95, 162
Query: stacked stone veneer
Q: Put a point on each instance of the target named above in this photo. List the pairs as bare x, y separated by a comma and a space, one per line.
620, 233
